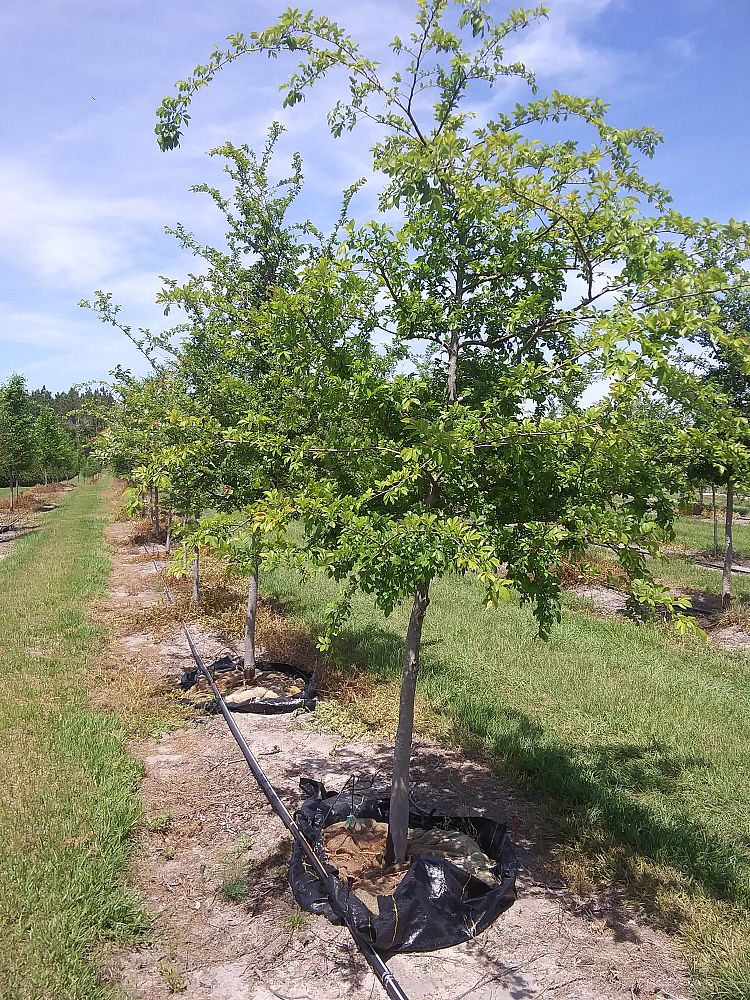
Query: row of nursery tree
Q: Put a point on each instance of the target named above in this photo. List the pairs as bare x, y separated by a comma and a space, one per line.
46, 438
527, 351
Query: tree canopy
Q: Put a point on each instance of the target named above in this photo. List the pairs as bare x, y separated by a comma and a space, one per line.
451, 385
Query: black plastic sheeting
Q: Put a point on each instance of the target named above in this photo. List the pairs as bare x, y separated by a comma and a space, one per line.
435, 905
305, 700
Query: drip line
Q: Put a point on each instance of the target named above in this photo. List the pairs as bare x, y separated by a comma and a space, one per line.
376, 963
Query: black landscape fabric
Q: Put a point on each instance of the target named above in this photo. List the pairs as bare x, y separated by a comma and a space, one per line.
305, 700
435, 905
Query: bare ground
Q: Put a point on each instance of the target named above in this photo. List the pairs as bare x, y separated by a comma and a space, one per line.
210, 835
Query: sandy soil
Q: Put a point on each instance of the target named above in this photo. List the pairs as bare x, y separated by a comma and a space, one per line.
208, 826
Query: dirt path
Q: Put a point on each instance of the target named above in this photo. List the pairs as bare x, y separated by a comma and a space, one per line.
210, 836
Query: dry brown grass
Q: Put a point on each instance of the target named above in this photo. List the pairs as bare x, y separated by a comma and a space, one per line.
34, 496
594, 568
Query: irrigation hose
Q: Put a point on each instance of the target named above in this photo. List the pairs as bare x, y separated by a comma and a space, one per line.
376, 963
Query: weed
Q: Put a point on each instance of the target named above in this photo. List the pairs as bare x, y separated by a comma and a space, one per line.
231, 874
243, 844
160, 823
234, 890
296, 920
172, 976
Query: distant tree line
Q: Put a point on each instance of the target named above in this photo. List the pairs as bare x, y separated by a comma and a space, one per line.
46, 437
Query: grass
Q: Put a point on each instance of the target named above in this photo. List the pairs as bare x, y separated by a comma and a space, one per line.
698, 580
697, 534
681, 573
68, 800
634, 743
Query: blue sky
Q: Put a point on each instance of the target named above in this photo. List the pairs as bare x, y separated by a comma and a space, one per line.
85, 193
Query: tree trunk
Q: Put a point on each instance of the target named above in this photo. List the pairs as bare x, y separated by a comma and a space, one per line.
716, 520
168, 543
398, 824
726, 581
701, 497
45, 477
196, 575
252, 608
157, 520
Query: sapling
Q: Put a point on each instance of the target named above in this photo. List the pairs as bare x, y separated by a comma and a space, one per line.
726, 576
519, 269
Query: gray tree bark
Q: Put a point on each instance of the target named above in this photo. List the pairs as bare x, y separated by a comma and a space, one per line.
168, 542
157, 520
196, 575
398, 820
716, 520
726, 580
252, 609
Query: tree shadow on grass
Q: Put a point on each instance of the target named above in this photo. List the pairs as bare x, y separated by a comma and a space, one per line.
613, 800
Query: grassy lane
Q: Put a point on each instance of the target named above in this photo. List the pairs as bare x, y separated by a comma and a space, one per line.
635, 744
68, 800
695, 580
697, 534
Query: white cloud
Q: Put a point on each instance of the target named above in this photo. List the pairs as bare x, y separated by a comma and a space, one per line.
683, 47
558, 49
68, 238
57, 347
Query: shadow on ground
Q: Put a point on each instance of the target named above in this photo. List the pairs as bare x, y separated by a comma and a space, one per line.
593, 796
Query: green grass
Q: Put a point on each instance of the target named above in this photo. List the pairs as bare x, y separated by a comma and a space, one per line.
635, 744
696, 534
68, 801
698, 580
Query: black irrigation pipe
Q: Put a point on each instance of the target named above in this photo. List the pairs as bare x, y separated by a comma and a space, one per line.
376, 963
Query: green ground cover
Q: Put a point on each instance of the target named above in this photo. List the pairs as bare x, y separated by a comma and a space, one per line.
698, 580
68, 799
697, 534
635, 743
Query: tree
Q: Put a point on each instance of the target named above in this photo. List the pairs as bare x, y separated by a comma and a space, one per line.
217, 448
231, 369
52, 446
17, 444
523, 267
725, 423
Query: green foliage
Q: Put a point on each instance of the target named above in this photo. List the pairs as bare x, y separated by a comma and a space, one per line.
35, 442
526, 266
16, 431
